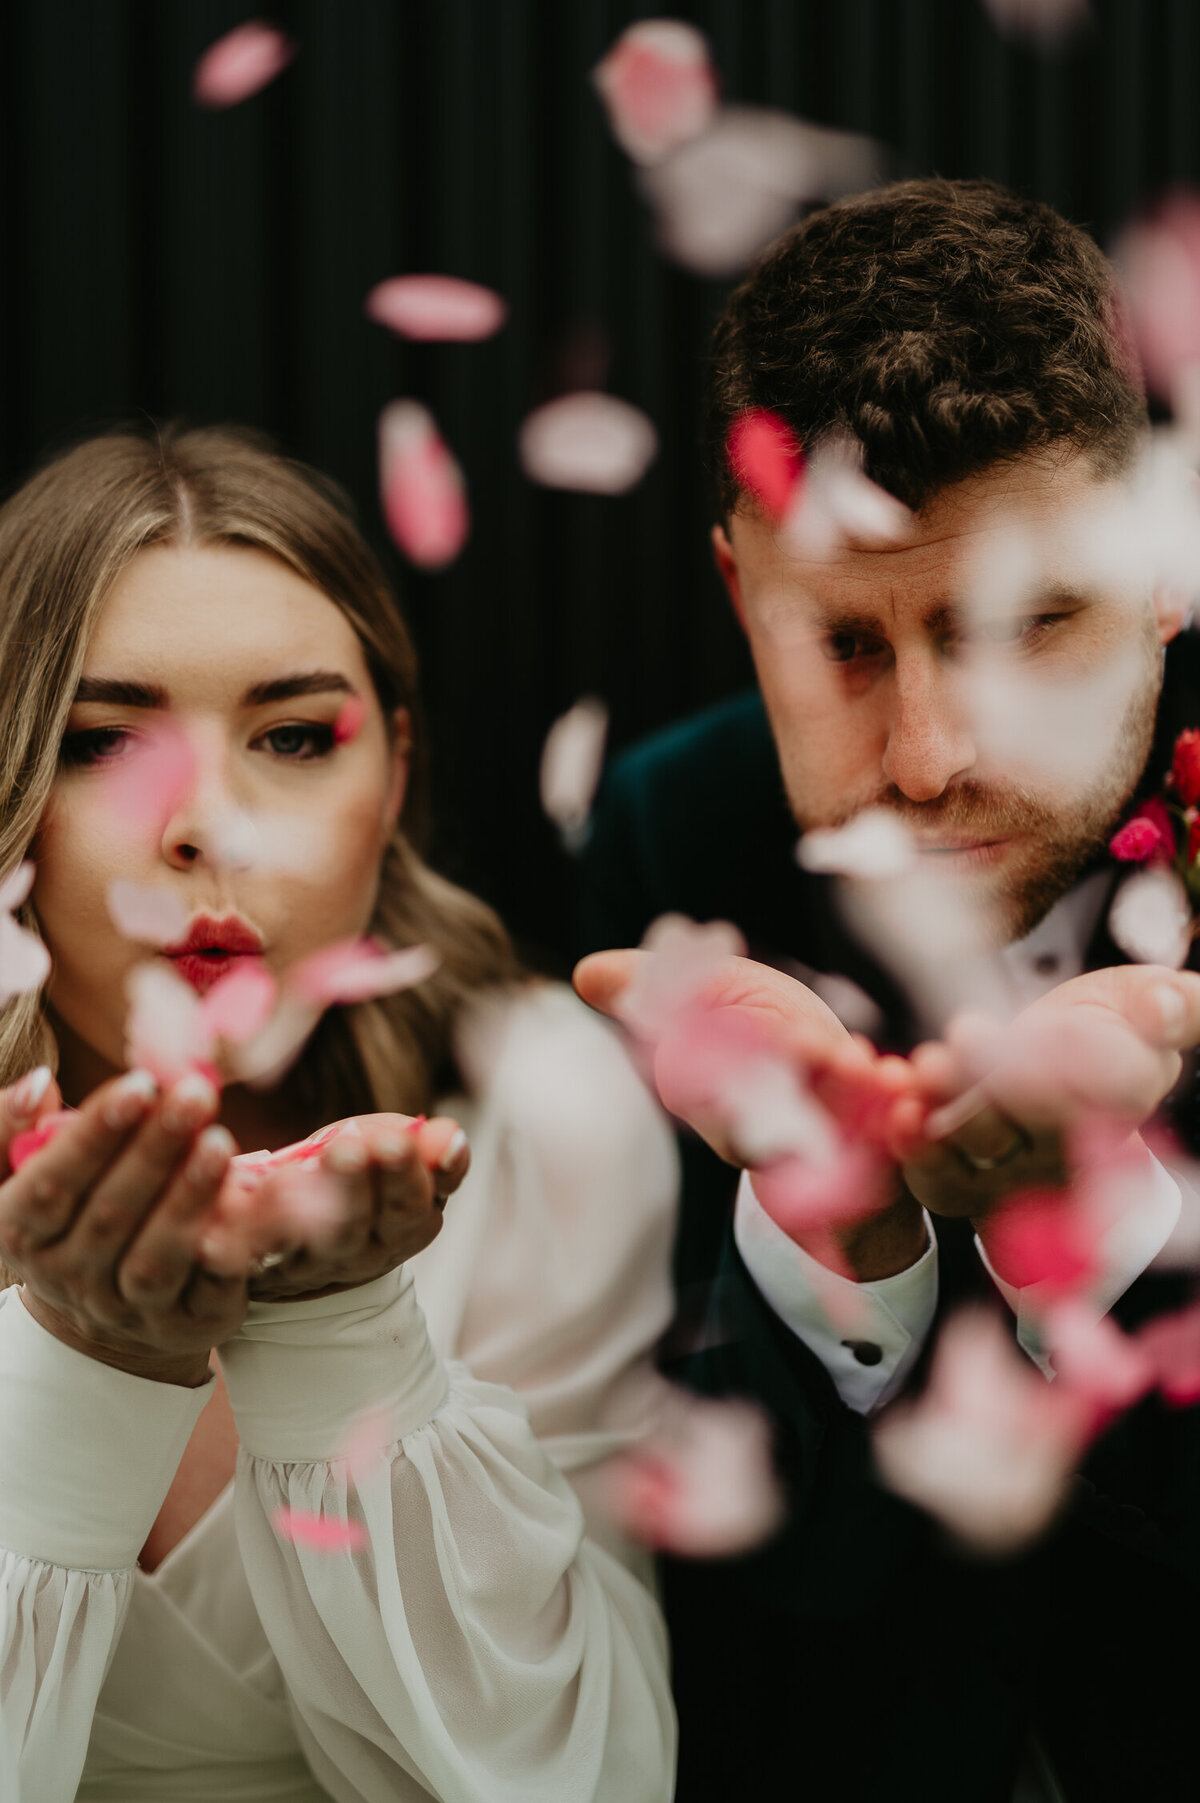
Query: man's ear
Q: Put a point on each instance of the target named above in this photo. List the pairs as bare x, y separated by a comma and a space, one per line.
401, 750
726, 562
1172, 612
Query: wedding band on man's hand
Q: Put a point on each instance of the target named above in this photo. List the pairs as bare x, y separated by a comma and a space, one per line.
965, 1111
1019, 1144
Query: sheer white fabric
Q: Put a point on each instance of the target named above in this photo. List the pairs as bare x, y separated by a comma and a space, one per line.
477, 1646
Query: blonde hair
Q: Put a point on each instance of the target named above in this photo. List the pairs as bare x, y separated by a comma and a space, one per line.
65, 537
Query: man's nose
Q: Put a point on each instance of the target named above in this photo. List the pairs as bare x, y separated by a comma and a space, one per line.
927, 741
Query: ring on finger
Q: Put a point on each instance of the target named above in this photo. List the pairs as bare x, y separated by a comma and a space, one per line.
1018, 1145
267, 1262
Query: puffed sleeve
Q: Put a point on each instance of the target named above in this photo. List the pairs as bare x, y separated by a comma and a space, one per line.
463, 1640
87, 1454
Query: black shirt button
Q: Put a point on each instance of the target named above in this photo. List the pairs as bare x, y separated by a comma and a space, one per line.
1046, 964
865, 1351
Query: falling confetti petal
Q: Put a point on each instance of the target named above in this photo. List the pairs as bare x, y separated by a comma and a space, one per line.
144, 786
318, 1533
24, 960
433, 307
240, 1004
702, 1484
147, 912
1151, 919
356, 970
685, 957
765, 457
724, 194
658, 87
572, 759
837, 504
876, 844
241, 63
24, 1145
1045, 21
1093, 1358
990, 1446
587, 441
1038, 1238
1172, 1344
350, 720
165, 1030
424, 496
234, 842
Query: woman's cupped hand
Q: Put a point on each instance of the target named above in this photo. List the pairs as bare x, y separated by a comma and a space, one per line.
139, 1243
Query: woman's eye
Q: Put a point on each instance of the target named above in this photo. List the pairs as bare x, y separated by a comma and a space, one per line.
95, 745
299, 742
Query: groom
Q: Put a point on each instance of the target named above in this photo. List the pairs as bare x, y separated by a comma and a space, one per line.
971, 343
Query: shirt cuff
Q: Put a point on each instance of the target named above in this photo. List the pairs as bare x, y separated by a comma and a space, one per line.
1146, 1218
88, 1452
868, 1336
300, 1373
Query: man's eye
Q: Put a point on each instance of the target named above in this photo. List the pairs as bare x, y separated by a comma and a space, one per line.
95, 745
843, 647
299, 742
1020, 629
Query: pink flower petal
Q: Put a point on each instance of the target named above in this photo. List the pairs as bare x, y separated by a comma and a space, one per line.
1043, 20
431, 307
989, 1447
804, 1196
349, 723
16, 886
424, 496
1151, 917
1040, 1237
24, 1145
1093, 1358
240, 1004
318, 1533
240, 64
875, 844
145, 784
356, 970
1172, 1345
658, 86
165, 1030
572, 759
587, 441
147, 912
265, 1058
24, 960
702, 1485
1159, 261
765, 457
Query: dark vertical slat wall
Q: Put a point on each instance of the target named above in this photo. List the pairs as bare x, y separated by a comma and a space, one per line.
163, 261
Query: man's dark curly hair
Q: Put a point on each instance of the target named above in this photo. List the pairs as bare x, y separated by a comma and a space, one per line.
948, 325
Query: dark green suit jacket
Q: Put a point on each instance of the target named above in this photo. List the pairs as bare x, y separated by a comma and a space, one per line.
858, 1658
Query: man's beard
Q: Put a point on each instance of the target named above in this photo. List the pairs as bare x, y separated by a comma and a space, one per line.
1061, 839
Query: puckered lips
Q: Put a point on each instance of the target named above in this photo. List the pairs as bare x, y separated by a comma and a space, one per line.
212, 947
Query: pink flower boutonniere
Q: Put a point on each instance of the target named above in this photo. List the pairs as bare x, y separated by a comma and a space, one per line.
1166, 828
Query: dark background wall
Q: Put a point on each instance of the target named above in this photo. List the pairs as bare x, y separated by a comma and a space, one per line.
162, 260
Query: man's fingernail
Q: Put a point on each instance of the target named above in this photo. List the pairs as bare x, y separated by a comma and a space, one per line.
24, 1096
453, 1152
1171, 1006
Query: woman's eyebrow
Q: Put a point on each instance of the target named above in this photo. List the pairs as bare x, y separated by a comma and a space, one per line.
117, 692
120, 694
306, 682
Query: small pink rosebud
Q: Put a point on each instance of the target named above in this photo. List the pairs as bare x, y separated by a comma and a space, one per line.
1138, 840
1185, 769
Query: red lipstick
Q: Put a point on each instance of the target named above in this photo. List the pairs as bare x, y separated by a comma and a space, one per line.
213, 947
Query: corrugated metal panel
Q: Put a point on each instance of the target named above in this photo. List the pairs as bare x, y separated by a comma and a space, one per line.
163, 260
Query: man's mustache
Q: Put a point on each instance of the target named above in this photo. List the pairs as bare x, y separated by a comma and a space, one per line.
970, 806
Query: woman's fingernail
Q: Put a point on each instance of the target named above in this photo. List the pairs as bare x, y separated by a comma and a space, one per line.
191, 1099
130, 1099
393, 1148
454, 1151
25, 1095
1171, 1006
213, 1150
347, 1156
